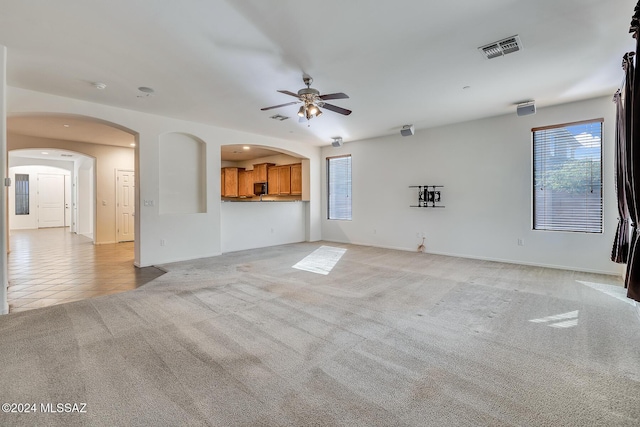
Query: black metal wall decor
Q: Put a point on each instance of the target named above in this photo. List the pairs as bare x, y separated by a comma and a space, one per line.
428, 196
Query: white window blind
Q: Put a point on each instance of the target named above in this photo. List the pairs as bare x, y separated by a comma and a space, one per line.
339, 187
22, 194
567, 177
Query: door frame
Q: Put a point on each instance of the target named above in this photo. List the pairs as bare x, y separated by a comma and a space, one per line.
117, 204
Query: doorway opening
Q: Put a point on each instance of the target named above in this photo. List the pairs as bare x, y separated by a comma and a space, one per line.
51, 188
81, 155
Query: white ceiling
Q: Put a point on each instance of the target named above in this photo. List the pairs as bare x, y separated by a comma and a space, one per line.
401, 62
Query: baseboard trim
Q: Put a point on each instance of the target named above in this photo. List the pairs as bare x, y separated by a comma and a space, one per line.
466, 256
159, 264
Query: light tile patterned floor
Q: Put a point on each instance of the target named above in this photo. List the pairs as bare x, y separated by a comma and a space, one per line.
52, 266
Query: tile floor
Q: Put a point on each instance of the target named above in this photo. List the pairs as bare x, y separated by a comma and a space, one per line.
53, 266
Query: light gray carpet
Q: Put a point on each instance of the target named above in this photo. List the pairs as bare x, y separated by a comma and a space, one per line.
388, 338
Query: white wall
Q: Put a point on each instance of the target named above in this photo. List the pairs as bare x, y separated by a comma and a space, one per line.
4, 220
249, 225
186, 236
85, 202
278, 159
22, 222
485, 167
183, 180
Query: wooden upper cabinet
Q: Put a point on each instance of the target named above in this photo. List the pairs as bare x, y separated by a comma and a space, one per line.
260, 172
245, 183
284, 180
229, 186
272, 181
296, 179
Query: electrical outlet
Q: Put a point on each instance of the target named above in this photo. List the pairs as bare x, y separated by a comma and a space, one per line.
162, 242
520, 241
417, 235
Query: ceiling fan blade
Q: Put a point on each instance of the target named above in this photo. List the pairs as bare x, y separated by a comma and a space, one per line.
338, 95
286, 92
278, 106
336, 109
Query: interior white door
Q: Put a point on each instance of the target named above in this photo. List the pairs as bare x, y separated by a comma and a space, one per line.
51, 191
125, 208
67, 202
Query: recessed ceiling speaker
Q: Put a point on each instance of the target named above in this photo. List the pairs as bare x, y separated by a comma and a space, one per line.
407, 130
337, 141
526, 108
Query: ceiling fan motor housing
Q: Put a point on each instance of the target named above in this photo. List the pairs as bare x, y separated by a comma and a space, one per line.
308, 91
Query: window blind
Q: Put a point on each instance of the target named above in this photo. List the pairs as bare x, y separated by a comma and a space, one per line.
567, 177
339, 187
22, 194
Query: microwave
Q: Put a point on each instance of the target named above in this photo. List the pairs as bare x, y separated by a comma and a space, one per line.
260, 188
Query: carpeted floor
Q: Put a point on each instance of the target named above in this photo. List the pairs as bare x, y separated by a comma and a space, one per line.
386, 338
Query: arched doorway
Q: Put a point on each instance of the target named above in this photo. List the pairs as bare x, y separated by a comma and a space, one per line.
88, 253
52, 188
246, 222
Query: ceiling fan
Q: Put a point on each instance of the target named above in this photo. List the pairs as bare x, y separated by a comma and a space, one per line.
312, 101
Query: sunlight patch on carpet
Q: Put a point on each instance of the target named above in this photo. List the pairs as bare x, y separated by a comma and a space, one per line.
322, 260
618, 292
564, 320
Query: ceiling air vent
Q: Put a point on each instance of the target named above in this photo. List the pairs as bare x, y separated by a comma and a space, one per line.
279, 117
66, 155
501, 48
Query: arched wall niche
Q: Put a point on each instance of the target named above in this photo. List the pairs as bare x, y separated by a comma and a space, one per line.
182, 170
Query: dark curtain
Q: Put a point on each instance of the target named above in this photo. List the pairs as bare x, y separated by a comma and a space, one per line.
620, 250
632, 112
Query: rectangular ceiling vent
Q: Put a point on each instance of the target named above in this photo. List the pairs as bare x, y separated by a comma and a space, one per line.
66, 155
279, 117
501, 48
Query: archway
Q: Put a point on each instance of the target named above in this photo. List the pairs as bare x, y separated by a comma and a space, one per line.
101, 149
75, 171
246, 223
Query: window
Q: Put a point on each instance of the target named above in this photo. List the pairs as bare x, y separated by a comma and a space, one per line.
22, 194
339, 187
567, 177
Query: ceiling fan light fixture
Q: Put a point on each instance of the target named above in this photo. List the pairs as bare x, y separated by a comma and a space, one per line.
312, 109
311, 99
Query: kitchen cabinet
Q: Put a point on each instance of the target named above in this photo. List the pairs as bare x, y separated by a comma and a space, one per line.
245, 183
260, 172
273, 187
296, 179
229, 181
284, 180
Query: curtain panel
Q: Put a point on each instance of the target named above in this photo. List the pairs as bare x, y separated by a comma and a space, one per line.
620, 250
632, 113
